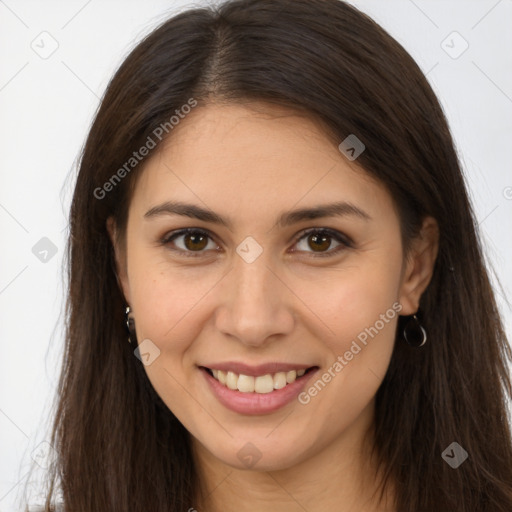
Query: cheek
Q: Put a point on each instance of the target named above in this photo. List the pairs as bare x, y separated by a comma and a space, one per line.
347, 302
168, 303
362, 313
359, 312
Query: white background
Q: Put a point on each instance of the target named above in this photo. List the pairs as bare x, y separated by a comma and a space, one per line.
46, 108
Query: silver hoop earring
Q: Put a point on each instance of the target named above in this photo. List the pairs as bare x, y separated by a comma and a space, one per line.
414, 333
130, 325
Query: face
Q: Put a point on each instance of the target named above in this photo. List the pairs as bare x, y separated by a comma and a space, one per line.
237, 264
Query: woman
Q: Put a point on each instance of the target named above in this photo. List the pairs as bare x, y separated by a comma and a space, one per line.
269, 198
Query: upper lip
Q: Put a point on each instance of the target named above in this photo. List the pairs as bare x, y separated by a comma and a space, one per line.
256, 370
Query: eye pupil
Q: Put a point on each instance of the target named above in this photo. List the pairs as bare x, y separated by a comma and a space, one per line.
319, 241
195, 241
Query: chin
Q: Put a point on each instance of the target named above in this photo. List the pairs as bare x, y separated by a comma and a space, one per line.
259, 454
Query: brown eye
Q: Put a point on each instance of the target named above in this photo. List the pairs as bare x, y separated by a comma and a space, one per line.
317, 242
195, 241
189, 242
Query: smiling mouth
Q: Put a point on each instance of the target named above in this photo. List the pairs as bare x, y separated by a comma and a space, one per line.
261, 384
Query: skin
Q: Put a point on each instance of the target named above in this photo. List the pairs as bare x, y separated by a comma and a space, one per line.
250, 165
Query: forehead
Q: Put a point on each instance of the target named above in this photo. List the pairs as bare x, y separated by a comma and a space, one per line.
249, 157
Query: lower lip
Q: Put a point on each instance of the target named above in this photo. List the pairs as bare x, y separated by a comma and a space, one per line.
256, 403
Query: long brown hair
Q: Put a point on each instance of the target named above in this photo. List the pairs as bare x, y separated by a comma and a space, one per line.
118, 446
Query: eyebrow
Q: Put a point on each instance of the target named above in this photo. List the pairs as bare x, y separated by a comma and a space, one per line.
339, 209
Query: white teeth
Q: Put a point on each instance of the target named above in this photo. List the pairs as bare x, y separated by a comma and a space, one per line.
279, 380
262, 384
291, 376
231, 380
245, 383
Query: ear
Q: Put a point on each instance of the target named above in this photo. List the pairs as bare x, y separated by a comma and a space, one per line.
419, 266
120, 259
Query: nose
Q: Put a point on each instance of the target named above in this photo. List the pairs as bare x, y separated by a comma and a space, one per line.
255, 304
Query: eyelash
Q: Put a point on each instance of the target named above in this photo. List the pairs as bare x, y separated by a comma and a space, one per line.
344, 241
